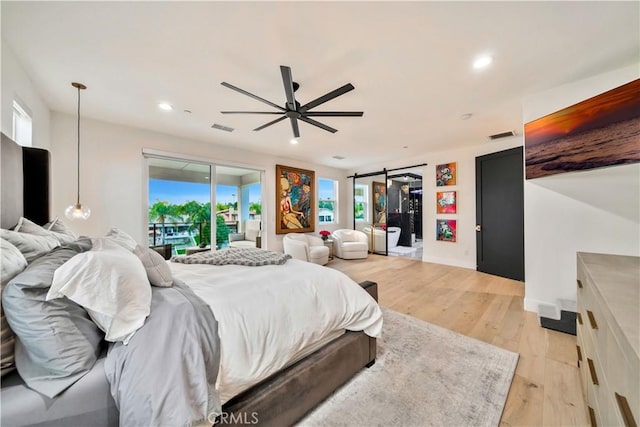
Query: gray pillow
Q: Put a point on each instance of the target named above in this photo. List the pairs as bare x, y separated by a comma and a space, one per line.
61, 231
12, 262
57, 343
31, 245
27, 226
158, 271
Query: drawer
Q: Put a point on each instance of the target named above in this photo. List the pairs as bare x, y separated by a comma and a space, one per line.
623, 375
594, 407
582, 364
595, 325
600, 395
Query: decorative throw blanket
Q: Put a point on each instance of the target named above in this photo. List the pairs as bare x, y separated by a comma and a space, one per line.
167, 373
252, 257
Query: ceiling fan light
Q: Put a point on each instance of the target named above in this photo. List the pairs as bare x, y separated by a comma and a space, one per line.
482, 62
293, 141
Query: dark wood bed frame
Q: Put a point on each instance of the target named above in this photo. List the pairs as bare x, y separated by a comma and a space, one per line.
281, 399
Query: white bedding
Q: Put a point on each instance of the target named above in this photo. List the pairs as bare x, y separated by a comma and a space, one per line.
267, 316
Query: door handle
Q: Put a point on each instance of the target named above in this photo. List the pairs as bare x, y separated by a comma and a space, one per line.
478, 228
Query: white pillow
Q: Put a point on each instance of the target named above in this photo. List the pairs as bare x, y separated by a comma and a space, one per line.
158, 271
31, 245
12, 262
122, 238
111, 284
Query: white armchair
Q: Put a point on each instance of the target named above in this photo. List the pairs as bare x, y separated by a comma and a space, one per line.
306, 247
247, 239
350, 244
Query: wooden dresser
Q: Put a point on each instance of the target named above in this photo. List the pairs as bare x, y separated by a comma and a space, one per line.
609, 337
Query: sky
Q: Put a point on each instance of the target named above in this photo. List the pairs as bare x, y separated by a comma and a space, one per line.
325, 189
178, 192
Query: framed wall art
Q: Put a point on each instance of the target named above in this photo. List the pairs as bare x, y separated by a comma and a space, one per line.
295, 200
597, 132
446, 174
446, 202
379, 195
446, 230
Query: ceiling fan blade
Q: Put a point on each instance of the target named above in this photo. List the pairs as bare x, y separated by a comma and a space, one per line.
320, 125
287, 80
251, 112
244, 92
279, 119
294, 126
327, 97
334, 113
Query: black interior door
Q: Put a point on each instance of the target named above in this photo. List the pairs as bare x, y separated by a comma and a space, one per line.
500, 214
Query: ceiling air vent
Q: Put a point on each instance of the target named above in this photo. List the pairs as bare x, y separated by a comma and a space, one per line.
502, 135
221, 127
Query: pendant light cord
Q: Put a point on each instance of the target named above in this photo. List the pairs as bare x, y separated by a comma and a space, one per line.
78, 201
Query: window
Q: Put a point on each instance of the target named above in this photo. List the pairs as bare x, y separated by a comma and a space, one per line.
327, 205
21, 125
361, 198
198, 203
179, 204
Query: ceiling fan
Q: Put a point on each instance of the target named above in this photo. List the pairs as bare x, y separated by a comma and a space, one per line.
292, 108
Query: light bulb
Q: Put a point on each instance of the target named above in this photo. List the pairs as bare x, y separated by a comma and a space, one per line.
77, 211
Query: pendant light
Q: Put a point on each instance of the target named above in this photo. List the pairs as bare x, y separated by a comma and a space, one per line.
78, 211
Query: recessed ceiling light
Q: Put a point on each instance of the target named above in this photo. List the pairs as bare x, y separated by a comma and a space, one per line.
466, 116
405, 146
187, 111
293, 141
165, 106
482, 62
339, 157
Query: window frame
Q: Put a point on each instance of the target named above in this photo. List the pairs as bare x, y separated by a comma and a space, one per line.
365, 202
21, 114
334, 200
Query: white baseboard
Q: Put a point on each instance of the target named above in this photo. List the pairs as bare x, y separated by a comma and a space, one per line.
533, 305
448, 261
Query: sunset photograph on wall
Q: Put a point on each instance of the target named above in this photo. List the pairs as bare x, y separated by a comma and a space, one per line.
597, 132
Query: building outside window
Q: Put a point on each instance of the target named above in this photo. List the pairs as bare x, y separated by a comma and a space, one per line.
361, 202
327, 200
22, 125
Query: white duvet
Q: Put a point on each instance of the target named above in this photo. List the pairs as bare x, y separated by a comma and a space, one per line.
267, 316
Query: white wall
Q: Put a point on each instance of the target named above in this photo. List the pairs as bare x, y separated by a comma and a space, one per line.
16, 84
113, 178
590, 211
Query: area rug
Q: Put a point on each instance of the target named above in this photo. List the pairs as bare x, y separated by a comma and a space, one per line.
424, 375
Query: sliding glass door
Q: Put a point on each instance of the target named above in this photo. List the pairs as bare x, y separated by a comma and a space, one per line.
370, 210
179, 204
180, 200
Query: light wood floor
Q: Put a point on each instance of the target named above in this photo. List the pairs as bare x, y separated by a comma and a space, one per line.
546, 387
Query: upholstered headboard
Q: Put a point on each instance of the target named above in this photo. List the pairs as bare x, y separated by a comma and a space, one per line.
25, 183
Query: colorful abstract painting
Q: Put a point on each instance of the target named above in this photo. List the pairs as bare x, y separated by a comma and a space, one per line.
446, 230
446, 174
600, 131
446, 202
295, 189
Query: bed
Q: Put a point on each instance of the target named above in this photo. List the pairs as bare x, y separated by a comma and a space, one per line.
278, 398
